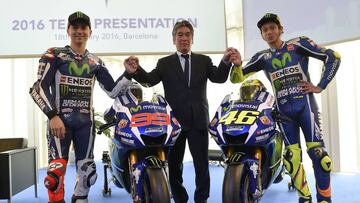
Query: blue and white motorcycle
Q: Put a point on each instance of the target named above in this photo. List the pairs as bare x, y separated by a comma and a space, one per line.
248, 137
144, 132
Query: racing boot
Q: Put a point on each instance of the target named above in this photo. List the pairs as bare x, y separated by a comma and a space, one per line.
305, 199
76, 199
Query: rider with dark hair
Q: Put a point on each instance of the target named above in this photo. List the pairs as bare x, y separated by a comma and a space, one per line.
285, 64
64, 92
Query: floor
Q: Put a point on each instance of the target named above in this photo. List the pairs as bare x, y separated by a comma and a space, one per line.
345, 187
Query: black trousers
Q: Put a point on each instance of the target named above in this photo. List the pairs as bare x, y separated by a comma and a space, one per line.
198, 141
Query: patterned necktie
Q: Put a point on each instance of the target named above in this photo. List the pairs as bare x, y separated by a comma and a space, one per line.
186, 69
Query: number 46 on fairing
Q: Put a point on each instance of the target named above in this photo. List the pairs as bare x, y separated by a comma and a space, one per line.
239, 117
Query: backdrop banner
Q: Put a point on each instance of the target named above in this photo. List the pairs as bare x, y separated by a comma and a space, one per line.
118, 27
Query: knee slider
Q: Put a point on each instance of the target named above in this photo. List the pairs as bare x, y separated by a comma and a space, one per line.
292, 158
86, 172
287, 161
319, 155
55, 175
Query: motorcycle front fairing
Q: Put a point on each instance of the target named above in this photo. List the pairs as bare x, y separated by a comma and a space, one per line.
239, 123
242, 128
143, 129
145, 124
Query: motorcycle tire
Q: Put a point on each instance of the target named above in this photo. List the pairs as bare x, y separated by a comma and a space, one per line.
236, 185
156, 187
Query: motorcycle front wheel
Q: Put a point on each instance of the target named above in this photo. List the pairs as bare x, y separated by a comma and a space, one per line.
156, 188
236, 185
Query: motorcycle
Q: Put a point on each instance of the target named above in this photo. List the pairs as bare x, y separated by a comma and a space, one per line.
144, 132
251, 144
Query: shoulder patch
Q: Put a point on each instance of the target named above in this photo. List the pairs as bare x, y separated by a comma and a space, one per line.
50, 53
266, 54
51, 49
56, 50
294, 40
94, 60
312, 43
94, 57
263, 51
337, 55
304, 37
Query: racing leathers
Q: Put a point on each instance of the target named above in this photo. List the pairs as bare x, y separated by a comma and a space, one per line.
285, 67
65, 88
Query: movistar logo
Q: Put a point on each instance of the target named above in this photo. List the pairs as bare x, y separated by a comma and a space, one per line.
225, 108
78, 71
135, 109
277, 64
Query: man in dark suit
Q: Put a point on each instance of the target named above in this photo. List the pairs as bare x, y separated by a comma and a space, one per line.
184, 76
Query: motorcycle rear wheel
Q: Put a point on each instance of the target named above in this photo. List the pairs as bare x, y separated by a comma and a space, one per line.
236, 185
156, 188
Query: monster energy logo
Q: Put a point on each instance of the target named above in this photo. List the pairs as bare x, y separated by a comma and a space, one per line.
235, 157
155, 161
277, 64
64, 90
78, 71
268, 15
79, 14
135, 109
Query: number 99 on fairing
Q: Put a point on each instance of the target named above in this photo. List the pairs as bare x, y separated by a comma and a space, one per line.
144, 119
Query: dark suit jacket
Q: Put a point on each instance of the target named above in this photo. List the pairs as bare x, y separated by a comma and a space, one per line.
189, 104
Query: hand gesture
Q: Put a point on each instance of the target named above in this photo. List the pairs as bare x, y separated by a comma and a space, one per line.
57, 127
308, 87
232, 55
235, 58
131, 64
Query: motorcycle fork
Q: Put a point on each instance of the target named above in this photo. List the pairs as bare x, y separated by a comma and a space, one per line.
229, 152
133, 158
161, 154
162, 157
258, 156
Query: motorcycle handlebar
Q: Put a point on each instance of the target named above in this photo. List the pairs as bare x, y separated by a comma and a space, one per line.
105, 126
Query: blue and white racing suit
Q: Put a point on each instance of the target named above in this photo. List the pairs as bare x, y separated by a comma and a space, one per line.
285, 67
65, 88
